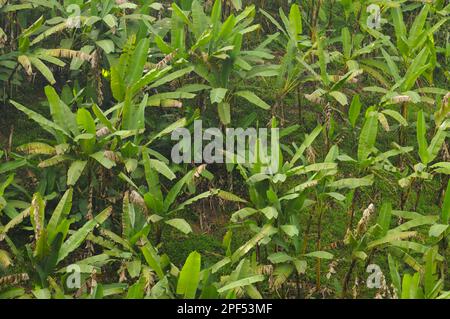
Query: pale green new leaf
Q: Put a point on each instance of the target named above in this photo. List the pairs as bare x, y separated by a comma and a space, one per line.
180, 224
189, 277
367, 137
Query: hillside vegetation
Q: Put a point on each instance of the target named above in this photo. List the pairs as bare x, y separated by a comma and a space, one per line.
93, 203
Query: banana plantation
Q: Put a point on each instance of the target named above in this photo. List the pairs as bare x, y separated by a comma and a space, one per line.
224, 149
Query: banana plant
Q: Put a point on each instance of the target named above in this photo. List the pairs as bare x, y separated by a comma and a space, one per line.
332, 90
76, 139
425, 169
365, 241
53, 239
216, 54
189, 276
156, 266
412, 57
98, 30
191, 281
291, 71
162, 208
142, 212
133, 75
85, 148
28, 57
440, 231
428, 284
273, 210
140, 263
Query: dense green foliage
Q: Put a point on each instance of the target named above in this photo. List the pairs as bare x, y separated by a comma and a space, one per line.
91, 91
